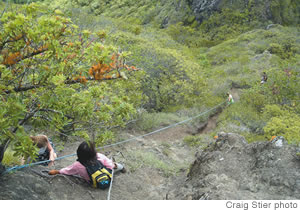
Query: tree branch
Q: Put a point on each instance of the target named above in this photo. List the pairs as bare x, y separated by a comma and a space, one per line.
20, 58
69, 82
21, 89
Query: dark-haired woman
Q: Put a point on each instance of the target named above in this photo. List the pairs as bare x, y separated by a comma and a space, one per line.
87, 154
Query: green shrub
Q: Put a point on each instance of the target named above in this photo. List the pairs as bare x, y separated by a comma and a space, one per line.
272, 111
10, 159
149, 159
244, 115
151, 121
286, 125
192, 141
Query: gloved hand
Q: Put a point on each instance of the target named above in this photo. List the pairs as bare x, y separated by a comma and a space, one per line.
53, 172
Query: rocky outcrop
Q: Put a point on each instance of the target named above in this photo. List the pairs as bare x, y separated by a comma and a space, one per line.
202, 9
204, 5
281, 12
231, 168
36, 184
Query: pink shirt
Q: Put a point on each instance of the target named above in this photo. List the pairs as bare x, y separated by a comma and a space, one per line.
78, 169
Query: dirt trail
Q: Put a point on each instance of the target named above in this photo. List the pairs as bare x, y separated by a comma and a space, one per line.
150, 164
212, 121
153, 163
211, 124
235, 94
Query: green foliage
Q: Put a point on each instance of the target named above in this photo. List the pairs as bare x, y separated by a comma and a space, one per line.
177, 76
244, 115
10, 159
59, 78
285, 12
150, 121
227, 24
192, 141
185, 64
283, 122
24, 147
153, 161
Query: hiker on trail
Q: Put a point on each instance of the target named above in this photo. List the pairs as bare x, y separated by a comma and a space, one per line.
264, 78
91, 166
46, 147
229, 99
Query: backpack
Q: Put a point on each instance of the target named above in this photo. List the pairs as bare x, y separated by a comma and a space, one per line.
100, 175
44, 153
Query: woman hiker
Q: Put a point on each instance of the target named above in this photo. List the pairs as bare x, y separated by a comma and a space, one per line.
88, 157
229, 99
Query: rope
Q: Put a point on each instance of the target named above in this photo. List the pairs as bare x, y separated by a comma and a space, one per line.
121, 142
164, 128
110, 186
36, 163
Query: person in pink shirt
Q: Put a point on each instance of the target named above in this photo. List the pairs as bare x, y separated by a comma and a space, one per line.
87, 154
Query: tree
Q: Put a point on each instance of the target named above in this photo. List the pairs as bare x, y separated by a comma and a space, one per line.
52, 76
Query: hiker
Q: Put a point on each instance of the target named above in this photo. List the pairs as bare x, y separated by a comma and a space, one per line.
230, 99
46, 149
264, 78
88, 163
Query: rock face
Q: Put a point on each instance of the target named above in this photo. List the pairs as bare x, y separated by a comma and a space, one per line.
204, 5
282, 12
33, 184
202, 9
231, 168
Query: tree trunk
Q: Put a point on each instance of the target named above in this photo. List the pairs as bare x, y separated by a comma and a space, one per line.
3, 147
2, 168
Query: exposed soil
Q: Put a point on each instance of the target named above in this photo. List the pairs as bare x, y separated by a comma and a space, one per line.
211, 124
235, 92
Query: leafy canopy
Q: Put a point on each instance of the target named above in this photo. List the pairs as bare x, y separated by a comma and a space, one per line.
56, 77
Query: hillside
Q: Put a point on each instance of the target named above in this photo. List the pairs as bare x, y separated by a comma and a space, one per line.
109, 70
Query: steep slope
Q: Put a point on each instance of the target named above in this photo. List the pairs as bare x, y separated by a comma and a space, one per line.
152, 164
190, 12
232, 169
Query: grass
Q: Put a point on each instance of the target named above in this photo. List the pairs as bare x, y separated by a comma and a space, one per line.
198, 141
150, 121
140, 158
